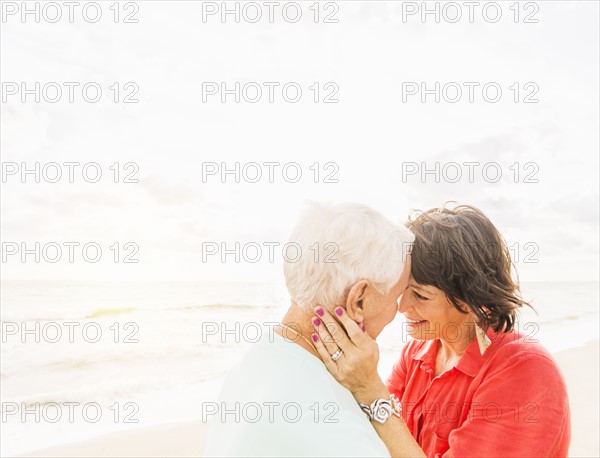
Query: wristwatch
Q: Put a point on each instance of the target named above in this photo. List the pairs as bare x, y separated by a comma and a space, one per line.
381, 409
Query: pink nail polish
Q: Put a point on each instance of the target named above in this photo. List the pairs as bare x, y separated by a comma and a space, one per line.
320, 311
339, 311
316, 322
363, 327
315, 338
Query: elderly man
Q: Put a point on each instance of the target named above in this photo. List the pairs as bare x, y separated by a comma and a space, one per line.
281, 400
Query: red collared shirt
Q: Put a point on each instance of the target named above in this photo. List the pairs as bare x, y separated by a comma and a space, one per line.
512, 401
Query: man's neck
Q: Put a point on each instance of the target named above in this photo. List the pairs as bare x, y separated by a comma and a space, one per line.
300, 322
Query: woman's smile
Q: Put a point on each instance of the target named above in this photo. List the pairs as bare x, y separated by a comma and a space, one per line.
415, 323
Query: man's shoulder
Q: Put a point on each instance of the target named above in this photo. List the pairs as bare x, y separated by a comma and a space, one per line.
282, 401
274, 367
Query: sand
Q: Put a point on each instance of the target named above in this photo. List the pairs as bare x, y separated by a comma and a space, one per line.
180, 440
580, 369
579, 366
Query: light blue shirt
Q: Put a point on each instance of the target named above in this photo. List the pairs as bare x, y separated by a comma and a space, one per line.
281, 401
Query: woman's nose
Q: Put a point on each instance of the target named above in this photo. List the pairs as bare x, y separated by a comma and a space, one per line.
404, 303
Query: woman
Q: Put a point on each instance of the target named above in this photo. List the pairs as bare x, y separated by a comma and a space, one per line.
468, 384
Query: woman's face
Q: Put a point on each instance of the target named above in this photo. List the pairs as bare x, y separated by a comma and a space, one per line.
435, 315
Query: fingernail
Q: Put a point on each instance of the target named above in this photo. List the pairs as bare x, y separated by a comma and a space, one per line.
316, 322
315, 337
339, 311
320, 311
363, 327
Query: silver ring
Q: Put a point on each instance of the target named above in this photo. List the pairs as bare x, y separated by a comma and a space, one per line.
337, 354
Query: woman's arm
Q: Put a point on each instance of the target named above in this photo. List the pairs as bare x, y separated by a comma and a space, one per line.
393, 432
356, 369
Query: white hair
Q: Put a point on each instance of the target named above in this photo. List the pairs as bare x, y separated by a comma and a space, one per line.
338, 245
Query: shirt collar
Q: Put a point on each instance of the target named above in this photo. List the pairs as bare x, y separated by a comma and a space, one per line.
470, 362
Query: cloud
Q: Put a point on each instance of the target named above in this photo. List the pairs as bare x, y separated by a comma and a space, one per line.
163, 192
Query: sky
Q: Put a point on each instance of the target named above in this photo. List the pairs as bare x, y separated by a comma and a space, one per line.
374, 146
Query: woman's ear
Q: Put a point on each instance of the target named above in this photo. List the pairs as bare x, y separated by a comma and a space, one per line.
465, 308
355, 301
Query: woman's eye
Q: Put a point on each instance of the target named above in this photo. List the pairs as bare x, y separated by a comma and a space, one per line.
418, 296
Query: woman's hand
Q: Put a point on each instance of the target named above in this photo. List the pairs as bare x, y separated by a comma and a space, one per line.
356, 368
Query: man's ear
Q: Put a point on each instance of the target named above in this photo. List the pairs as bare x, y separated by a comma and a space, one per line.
355, 301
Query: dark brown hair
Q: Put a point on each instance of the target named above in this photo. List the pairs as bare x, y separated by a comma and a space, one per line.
462, 253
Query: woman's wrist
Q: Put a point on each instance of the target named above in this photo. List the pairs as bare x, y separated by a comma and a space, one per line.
371, 392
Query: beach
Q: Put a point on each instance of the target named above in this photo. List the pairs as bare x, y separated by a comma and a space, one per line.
157, 156
578, 365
